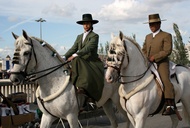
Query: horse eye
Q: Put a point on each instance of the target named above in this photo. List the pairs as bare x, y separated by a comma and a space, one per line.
26, 53
110, 59
112, 52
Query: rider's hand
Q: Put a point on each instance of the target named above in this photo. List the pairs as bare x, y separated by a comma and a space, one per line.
70, 58
151, 59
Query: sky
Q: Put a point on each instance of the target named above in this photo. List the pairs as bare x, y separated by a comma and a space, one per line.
60, 29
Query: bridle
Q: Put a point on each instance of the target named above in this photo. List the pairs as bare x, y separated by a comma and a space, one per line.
118, 68
17, 56
109, 59
30, 77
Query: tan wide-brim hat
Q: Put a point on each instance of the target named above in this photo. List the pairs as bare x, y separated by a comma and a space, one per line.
87, 18
154, 18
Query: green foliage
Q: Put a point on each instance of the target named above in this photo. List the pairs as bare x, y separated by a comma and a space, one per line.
179, 54
107, 47
101, 50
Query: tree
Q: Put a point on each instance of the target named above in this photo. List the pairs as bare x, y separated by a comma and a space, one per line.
106, 47
179, 54
101, 50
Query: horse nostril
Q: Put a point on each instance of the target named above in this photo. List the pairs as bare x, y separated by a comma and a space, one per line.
109, 79
16, 80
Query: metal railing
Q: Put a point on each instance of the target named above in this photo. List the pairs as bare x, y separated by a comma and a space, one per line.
28, 88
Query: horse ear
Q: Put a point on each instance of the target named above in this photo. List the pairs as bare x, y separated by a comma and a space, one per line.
112, 36
14, 35
121, 35
25, 34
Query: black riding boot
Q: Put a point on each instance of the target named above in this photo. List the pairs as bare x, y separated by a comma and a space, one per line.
169, 107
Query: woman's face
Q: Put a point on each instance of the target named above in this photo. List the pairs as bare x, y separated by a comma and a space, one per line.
87, 26
154, 26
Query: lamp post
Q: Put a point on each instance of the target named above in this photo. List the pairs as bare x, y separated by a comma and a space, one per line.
40, 20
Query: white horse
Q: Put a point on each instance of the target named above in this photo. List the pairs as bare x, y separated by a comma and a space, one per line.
139, 92
56, 96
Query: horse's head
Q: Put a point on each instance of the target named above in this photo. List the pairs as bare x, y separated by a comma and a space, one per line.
116, 56
125, 59
24, 59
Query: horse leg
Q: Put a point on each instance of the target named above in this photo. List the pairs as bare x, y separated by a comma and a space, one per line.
175, 121
73, 120
46, 121
129, 118
124, 115
110, 113
140, 120
186, 110
120, 109
137, 118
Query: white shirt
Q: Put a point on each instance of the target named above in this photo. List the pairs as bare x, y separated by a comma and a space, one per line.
84, 35
155, 33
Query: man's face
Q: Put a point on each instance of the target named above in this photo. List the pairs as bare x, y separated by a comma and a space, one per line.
87, 26
154, 26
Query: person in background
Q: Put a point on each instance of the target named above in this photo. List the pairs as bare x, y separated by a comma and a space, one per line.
87, 69
157, 47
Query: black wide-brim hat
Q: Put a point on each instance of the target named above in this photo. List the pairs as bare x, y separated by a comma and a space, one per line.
87, 18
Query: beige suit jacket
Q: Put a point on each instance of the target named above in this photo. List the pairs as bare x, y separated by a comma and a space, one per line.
160, 46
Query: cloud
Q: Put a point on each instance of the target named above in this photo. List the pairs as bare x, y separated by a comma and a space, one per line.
123, 10
57, 10
133, 11
16, 25
13, 19
129, 16
60, 49
6, 51
114, 15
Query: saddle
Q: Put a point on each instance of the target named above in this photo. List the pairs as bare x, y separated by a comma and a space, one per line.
172, 68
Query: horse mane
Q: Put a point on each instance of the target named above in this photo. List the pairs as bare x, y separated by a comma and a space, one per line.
134, 42
138, 46
49, 47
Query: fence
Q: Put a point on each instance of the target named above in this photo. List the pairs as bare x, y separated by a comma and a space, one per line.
28, 88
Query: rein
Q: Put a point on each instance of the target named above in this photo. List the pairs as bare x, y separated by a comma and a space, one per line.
54, 68
140, 76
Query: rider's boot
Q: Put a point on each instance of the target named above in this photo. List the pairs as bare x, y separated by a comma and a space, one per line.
89, 103
169, 107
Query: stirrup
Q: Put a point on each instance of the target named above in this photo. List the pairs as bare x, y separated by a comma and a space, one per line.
169, 110
81, 91
89, 107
